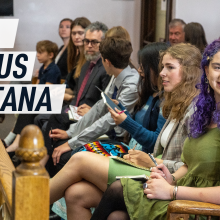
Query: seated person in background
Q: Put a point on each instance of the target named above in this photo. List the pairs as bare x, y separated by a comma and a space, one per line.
86, 175
61, 59
64, 32
176, 31
49, 73
119, 31
115, 54
147, 120
197, 180
76, 59
195, 35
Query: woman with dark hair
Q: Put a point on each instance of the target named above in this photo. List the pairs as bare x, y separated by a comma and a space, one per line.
198, 179
147, 121
195, 35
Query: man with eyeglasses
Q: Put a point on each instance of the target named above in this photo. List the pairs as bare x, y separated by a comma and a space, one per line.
92, 74
98, 121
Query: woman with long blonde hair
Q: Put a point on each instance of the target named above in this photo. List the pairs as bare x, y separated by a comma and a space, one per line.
198, 179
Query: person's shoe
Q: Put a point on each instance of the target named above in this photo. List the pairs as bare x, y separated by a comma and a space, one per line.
15, 160
54, 216
11, 154
3, 142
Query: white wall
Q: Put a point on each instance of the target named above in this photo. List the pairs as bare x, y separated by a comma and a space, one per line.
206, 12
39, 19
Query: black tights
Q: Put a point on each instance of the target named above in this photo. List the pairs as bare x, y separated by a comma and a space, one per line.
112, 205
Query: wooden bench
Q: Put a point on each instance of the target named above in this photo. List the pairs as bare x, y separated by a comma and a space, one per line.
34, 80
24, 191
181, 209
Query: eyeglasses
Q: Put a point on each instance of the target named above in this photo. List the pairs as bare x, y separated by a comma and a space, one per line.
93, 42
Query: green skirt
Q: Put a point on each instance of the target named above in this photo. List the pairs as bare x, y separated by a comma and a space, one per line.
134, 195
139, 207
117, 168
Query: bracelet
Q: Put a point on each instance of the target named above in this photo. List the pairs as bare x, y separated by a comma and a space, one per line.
175, 192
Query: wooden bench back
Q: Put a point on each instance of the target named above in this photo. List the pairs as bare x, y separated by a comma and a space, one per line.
24, 191
34, 80
6, 169
182, 209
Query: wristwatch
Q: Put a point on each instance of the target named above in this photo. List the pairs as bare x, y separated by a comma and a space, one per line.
174, 179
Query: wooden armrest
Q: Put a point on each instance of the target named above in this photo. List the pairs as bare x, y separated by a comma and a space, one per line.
192, 207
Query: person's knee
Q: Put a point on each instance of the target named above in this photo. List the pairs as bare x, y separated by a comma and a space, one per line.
77, 160
73, 195
118, 215
79, 157
116, 187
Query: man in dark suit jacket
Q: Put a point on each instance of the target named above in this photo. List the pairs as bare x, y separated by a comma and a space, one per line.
92, 74
91, 94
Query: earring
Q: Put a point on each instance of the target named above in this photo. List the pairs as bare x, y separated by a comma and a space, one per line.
207, 81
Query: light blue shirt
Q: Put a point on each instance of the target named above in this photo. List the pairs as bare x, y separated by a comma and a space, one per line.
98, 120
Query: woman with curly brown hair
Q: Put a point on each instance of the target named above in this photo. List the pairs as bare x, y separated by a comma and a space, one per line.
86, 175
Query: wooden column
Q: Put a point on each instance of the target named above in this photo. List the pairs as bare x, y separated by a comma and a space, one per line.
30, 180
6, 169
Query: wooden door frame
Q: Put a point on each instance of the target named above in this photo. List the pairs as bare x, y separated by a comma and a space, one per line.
169, 14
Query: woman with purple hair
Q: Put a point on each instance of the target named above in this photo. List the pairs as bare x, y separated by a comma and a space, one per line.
198, 179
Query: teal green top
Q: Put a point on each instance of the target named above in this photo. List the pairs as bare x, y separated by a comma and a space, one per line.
202, 156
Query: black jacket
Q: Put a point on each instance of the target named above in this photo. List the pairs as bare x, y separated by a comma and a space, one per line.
62, 63
98, 78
